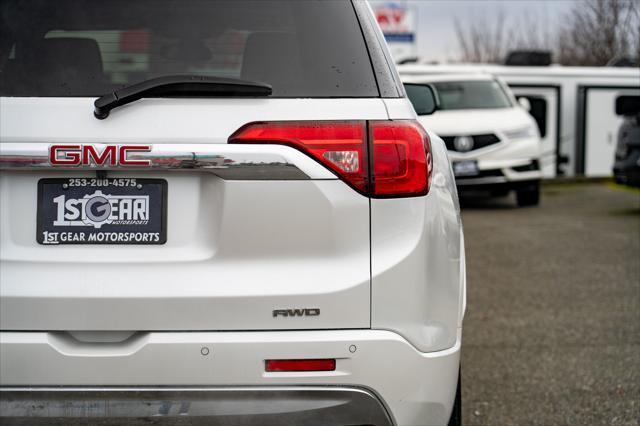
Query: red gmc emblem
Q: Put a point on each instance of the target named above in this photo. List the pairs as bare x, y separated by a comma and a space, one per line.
85, 155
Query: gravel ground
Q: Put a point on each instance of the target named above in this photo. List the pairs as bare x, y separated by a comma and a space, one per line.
552, 329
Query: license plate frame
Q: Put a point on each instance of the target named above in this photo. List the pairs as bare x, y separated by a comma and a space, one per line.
465, 168
102, 211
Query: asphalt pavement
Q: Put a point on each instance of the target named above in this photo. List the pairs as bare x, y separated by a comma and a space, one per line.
552, 330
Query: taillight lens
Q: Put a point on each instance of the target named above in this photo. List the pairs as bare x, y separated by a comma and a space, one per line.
400, 151
339, 145
401, 159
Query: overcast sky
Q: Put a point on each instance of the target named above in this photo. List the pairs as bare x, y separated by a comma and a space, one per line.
436, 36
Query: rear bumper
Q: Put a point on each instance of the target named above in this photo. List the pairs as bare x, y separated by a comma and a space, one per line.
415, 387
229, 406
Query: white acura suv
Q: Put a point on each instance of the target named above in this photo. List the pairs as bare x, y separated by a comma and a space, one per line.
493, 142
220, 213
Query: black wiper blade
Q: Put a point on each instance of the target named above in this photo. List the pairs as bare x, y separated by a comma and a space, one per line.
179, 85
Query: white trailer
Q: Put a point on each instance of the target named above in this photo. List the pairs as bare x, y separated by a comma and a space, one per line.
574, 108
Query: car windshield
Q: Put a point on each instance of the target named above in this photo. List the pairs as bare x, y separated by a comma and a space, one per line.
471, 95
89, 48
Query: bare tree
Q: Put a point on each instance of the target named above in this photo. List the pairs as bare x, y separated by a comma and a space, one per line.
490, 42
531, 32
593, 33
482, 42
598, 31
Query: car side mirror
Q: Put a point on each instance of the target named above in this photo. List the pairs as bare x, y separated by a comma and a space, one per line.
627, 105
525, 103
423, 97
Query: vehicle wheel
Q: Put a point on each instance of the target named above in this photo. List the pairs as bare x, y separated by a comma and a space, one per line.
456, 414
529, 196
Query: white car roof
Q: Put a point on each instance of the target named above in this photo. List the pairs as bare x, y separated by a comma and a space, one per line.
436, 78
504, 70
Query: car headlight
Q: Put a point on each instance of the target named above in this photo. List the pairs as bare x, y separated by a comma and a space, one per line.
520, 133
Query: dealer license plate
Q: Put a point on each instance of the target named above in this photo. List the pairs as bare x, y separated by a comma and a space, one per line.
465, 168
102, 211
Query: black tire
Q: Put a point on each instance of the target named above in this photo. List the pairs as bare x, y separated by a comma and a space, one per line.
528, 196
456, 414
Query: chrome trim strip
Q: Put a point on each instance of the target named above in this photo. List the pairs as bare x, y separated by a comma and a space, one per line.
272, 405
237, 162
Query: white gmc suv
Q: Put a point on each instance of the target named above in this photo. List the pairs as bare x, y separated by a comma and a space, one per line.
220, 213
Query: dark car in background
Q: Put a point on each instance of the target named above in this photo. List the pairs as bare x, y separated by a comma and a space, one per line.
626, 168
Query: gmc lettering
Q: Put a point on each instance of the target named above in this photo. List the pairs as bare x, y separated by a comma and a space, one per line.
88, 155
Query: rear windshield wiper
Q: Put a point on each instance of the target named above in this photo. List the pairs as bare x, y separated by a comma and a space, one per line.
179, 85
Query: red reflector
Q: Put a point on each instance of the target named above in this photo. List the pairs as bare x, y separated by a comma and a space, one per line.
401, 159
274, 365
401, 156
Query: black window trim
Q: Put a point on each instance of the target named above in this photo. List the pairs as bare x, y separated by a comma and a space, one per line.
384, 69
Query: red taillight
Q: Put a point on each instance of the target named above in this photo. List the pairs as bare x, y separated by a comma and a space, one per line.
273, 365
339, 145
401, 157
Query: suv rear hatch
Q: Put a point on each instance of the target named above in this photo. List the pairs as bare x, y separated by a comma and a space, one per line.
238, 237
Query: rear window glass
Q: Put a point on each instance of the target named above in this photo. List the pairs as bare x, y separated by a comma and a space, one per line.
89, 48
471, 95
